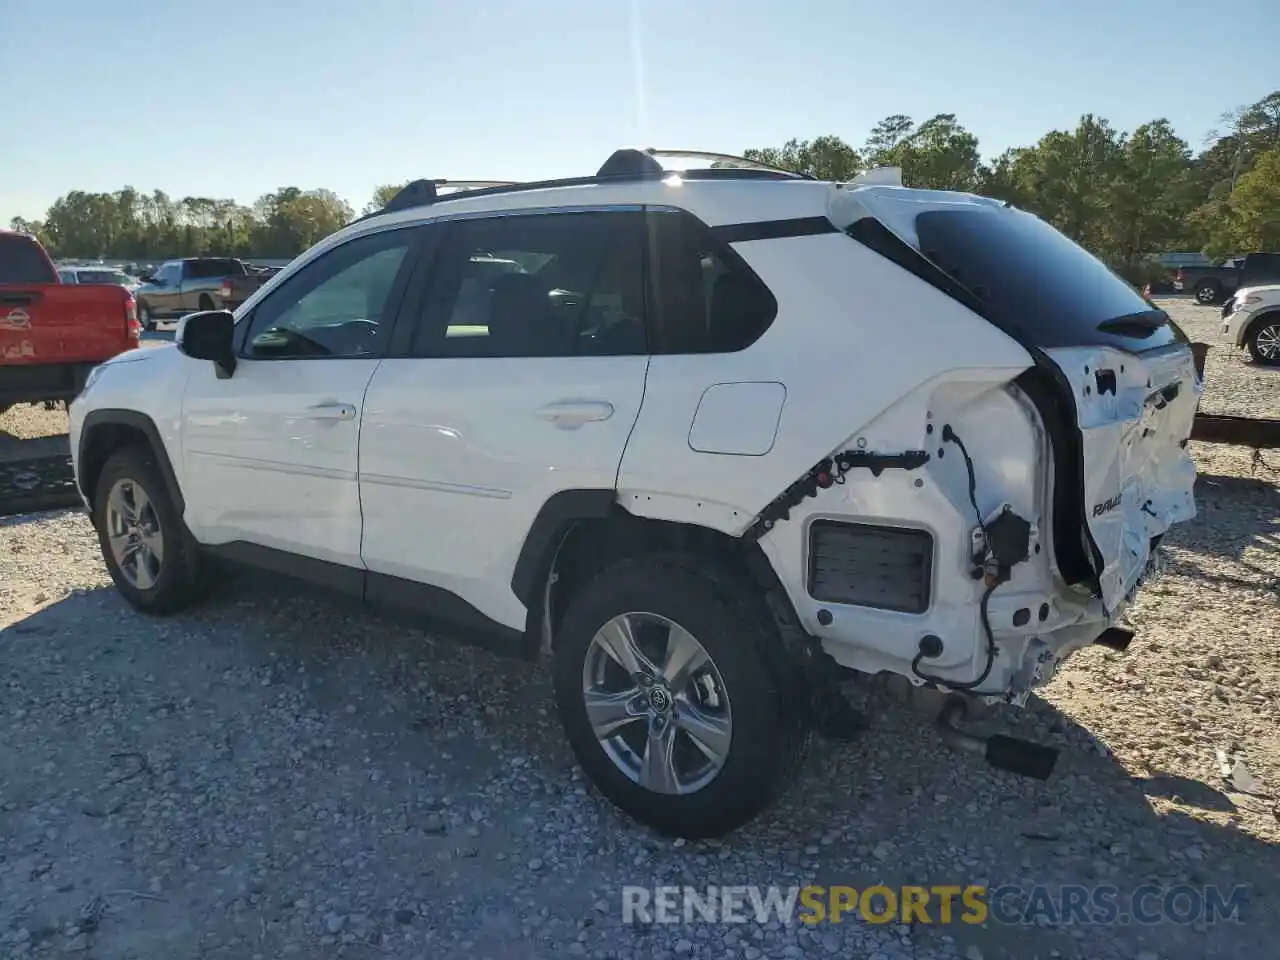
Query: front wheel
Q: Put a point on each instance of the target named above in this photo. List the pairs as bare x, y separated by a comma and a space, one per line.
146, 546
676, 696
145, 317
1264, 341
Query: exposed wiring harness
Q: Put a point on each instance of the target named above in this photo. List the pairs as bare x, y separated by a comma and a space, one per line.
993, 579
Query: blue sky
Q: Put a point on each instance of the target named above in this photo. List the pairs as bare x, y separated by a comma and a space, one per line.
233, 100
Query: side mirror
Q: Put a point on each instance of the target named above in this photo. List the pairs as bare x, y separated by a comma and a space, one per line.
207, 336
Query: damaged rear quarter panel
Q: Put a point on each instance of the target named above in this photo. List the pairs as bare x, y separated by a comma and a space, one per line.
846, 349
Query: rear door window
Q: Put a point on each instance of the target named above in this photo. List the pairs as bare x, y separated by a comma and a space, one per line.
1038, 285
22, 261
561, 284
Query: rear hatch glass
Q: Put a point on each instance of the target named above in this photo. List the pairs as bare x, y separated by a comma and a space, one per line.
22, 262
1036, 284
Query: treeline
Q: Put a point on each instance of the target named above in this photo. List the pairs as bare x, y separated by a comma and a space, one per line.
131, 225
1122, 195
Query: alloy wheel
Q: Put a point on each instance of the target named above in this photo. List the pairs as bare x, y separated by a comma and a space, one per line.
1268, 341
134, 534
657, 703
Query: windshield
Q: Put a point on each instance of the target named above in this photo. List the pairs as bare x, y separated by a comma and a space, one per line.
22, 261
1038, 285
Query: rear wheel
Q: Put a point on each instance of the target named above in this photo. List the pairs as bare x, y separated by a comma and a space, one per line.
676, 696
148, 551
206, 302
1264, 341
1208, 292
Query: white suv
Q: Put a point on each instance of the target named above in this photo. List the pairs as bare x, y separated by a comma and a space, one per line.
709, 439
1251, 319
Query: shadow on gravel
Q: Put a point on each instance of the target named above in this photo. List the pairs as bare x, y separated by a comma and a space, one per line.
1234, 515
275, 742
912, 813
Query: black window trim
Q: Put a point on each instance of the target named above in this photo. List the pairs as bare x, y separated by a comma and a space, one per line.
420, 244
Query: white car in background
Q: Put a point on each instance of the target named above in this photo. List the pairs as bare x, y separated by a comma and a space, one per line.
98, 275
1251, 319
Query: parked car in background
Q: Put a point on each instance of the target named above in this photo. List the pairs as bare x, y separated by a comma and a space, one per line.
98, 275
1251, 319
180, 287
1175, 259
1215, 283
51, 333
235, 290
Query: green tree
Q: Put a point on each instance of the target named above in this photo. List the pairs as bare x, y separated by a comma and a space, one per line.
1149, 198
885, 137
1249, 218
382, 195
827, 158
939, 154
1068, 176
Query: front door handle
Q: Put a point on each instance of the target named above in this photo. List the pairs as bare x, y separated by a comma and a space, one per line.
332, 411
569, 414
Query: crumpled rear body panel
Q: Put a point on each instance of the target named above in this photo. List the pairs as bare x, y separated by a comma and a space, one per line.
1135, 414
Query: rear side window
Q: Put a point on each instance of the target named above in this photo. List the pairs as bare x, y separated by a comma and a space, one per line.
102, 276
1038, 285
22, 261
705, 299
205, 269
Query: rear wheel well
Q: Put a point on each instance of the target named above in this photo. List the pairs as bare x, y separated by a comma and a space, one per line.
590, 546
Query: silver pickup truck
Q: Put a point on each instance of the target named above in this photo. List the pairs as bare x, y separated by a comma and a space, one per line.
179, 287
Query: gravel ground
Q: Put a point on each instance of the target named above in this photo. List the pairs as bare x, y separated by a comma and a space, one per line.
275, 776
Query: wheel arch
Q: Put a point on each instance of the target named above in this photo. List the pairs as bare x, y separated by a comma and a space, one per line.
1270, 315
577, 533
108, 430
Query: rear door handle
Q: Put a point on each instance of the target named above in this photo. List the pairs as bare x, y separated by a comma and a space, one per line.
574, 413
332, 411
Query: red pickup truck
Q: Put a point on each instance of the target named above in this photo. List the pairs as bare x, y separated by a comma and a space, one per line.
53, 334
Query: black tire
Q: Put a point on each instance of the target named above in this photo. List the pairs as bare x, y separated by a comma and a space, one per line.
769, 711
206, 302
1263, 342
1208, 292
180, 582
145, 316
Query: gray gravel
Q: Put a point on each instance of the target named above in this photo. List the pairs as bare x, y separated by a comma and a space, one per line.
276, 776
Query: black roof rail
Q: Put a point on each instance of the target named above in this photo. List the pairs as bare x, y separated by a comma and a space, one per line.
624, 164
413, 194
631, 164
